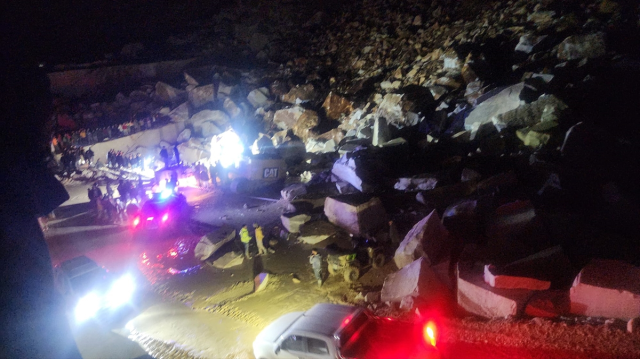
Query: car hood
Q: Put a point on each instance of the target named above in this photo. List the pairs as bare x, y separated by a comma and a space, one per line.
274, 330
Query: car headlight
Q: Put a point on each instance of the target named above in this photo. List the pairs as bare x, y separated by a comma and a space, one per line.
121, 291
87, 307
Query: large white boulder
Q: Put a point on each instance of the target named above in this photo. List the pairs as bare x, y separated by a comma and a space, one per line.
180, 113
579, 47
286, 118
218, 118
201, 95
357, 214
209, 129
428, 238
417, 279
477, 297
211, 242
607, 288
259, 97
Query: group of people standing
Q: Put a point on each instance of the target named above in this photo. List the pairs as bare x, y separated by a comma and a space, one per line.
110, 209
88, 136
246, 238
117, 159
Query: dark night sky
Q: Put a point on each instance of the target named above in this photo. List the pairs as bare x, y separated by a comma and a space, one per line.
85, 30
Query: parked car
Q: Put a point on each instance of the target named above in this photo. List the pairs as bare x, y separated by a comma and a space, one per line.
344, 332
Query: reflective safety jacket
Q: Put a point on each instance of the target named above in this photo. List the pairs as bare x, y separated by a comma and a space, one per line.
244, 235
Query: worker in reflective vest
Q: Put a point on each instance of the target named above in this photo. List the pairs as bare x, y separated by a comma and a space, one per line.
245, 238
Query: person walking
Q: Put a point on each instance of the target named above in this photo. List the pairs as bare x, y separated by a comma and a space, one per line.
176, 154
164, 155
259, 239
245, 238
316, 263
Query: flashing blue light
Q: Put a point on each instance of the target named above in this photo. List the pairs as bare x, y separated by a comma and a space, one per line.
166, 193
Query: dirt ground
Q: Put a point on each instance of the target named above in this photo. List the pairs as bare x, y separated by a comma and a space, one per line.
215, 313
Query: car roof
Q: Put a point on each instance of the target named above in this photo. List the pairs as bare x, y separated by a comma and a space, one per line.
78, 266
324, 319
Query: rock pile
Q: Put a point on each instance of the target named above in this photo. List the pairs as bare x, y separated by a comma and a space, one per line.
512, 121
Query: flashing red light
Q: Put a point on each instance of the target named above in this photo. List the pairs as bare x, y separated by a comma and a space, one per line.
165, 217
346, 321
430, 333
136, 221
173, 253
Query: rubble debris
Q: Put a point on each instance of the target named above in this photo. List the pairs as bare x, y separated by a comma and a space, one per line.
336, 106
462, 221
381, 132
545, 111
511, 218
201, 95
548, 304
492, 278
216, 118
504, 101
528, 42
417, 183
373, 297
184, 136
607, 288
357, 214
293, 221
290, 192
579, 47
441, 197
299, 94
477, 297
316, 232
469, 175
304, 125
169, 93
287, 118
365, 169
229, 260
259, 97
499, 182
428, 239
180, 113
416, 279
211, 242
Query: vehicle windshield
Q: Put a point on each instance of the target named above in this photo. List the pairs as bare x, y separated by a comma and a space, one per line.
350, 329
86, 282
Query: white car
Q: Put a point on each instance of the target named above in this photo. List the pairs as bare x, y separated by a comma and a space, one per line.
342, 332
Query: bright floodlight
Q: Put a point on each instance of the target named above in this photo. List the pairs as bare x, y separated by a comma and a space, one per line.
166, 193
87, 307
121, 291
226, 149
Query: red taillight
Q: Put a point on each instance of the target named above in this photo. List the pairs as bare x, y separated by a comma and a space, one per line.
165, 217
430, 333
136, 221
